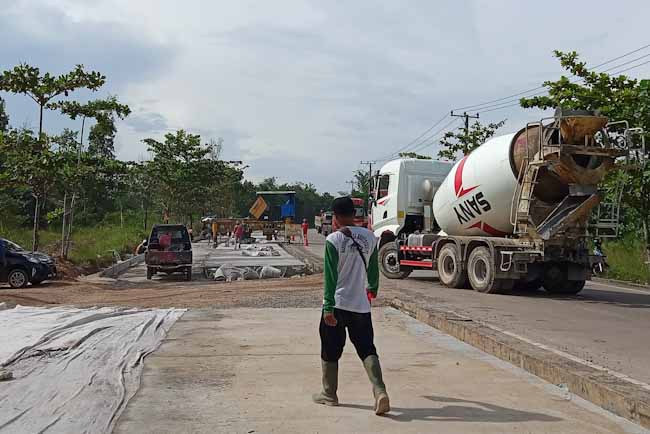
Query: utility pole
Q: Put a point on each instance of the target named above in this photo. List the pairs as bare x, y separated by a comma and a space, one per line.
467, 118
369, 164
351, 186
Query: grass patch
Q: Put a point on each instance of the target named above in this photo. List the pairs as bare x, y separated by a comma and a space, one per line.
91, 246
626, 260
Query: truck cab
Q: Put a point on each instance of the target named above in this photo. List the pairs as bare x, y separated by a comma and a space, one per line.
402, 194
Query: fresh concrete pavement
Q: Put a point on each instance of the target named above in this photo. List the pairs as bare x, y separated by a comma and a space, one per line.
254, 370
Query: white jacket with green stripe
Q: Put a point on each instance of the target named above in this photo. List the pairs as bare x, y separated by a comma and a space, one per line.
346, 277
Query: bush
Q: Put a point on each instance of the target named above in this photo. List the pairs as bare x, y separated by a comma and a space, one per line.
626, 258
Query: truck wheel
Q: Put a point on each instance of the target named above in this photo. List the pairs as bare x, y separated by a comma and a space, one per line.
482, 273
188, 273
449, 270
556, 281
18, 278
149, 273
389, 262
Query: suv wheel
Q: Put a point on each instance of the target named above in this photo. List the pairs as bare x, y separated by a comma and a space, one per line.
18, 278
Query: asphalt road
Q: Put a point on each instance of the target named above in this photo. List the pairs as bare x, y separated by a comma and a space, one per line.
606, 324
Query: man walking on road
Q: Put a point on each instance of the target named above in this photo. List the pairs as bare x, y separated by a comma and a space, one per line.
351, 282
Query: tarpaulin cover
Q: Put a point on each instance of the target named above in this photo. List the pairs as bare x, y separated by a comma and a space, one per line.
74, 369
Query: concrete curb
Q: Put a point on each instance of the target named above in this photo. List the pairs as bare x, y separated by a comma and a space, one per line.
620, 282
121, 267
623, 398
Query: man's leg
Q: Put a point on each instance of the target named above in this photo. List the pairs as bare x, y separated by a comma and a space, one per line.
332, 341
362, 336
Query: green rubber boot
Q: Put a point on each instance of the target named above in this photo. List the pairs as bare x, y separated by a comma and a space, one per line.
373, 369
330, 384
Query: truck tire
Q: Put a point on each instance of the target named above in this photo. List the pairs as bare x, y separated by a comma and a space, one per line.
449, 268
482, 272
18, 278
389, 262
149, 273
556, 281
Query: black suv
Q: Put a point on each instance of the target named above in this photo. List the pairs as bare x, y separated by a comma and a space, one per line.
19, 267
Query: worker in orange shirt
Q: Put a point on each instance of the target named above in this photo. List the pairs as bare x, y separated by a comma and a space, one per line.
305, 228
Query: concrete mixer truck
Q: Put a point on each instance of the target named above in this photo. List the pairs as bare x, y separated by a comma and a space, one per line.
515, 212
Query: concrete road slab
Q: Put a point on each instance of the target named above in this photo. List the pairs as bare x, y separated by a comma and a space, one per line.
254, 370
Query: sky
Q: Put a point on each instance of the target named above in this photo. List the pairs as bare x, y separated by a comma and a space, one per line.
306, 90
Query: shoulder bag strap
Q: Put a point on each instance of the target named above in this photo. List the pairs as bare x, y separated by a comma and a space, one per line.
348, 233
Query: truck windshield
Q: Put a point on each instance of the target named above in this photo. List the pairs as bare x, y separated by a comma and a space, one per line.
384, 182
169, 238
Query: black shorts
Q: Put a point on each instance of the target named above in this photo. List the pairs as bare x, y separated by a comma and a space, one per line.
332, 339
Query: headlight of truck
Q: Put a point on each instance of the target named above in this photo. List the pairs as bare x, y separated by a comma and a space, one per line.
34, 260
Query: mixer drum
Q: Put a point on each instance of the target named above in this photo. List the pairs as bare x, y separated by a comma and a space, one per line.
572, 167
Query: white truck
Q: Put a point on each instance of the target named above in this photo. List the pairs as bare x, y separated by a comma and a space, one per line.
514, 212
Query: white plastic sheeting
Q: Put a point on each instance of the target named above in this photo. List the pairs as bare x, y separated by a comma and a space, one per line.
74, 369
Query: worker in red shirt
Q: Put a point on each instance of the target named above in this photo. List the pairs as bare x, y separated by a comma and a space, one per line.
239, 234
305, 228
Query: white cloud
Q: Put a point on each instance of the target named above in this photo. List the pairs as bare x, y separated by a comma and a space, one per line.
304, 90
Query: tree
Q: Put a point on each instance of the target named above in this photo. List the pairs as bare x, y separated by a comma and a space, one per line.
27, 80
414, 155
464, 142
618, 98
104, 111
28, 163
4, 117
182, 171
101, 138
362, 181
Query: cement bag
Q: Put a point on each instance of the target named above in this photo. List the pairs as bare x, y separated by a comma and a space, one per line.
250, 274
227, 273
269, 272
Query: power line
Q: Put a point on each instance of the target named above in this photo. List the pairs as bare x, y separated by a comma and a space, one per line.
415, 140
476, 106
427, 141
509, 104
626, 63
620, 57
632, 67
433, 138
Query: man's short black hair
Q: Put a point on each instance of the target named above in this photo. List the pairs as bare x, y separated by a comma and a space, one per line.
343, 206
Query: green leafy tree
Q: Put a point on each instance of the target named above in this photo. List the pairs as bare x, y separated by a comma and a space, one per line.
362, 181
28, 163
182, 170
414, 155
42, 89
4, 117
101, 139
104, 111
462, 142
618, 98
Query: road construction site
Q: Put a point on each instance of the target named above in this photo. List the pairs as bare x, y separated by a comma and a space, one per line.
245, 356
